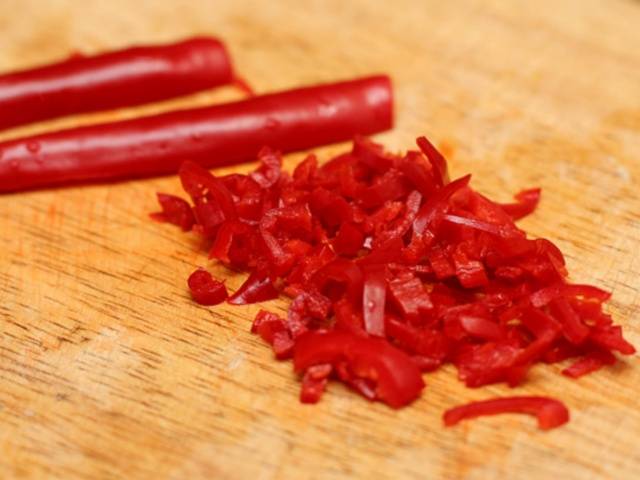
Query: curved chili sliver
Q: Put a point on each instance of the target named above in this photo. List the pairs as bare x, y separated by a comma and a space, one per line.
550, 413
394, 378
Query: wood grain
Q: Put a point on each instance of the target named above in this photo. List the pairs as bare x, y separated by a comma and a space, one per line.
108, 370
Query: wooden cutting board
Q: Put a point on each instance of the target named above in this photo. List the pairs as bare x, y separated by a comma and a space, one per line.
108, 370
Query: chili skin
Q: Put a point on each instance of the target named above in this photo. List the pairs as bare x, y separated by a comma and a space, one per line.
211, 136
120, 78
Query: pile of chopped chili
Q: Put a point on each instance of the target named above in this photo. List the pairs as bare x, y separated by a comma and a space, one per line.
394, 270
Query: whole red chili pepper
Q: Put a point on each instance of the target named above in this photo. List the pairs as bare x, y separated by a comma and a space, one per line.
110, 80
211, 136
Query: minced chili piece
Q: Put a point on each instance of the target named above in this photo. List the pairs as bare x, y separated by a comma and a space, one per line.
205, 289
175, 210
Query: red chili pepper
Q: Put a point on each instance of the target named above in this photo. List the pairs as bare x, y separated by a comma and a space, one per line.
256, 288
274, 331
549, 412
470, 272
371, 154
330, 208
227, 232
573, 327
538, 322
527, 201
437, 203
373, 299
486, 363
481, 328
213, 201
544, 296
314, 382
438, 162
205, 289
477, 224
410, 297
610, 338
390, 186
211, 136
175, 210
115, 79
348, 240
402, 225
591, 362
340, 278
396, 377
419, 173
440, 263
306, 308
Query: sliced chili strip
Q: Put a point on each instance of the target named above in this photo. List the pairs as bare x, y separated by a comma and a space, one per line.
544, 296
610, 338
481, 327
591, 362
527, 201
258, 287
550, 413
373, 299
396, 377
437, 203
438, 162
572, 326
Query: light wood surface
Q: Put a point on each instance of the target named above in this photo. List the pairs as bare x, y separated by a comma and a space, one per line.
108, 370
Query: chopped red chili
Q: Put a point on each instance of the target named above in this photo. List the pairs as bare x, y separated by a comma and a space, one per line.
274, 331
549, 412
115, 79
175, 210
258, 287
387, 283
205, 289
527, 201
591, 362
373, 299
394, 378
314, 382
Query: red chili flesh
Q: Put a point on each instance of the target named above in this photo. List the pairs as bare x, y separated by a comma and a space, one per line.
111, 80
389, 283
210, 136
